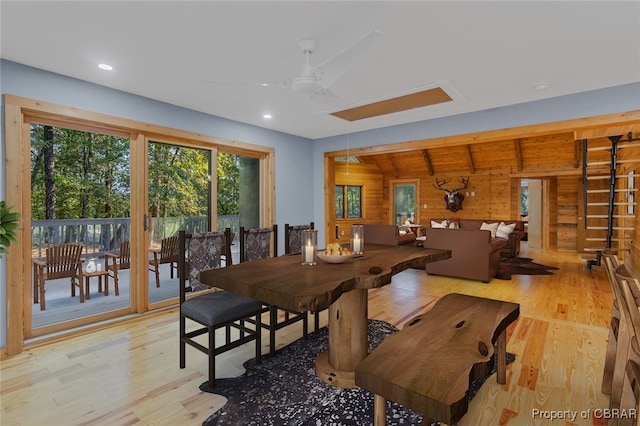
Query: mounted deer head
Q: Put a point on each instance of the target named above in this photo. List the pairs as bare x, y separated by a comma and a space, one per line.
453, 198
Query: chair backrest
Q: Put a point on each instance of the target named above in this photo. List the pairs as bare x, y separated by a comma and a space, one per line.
125, 253
203, 251
629, 287
611, 263
255, 243
293, 237
169, 249
64, 260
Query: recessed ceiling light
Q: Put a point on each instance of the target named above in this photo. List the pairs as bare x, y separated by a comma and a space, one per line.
267, 116
543, 85
105, 67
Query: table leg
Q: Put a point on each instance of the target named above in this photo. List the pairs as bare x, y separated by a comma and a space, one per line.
379, 410
87, 287
501, 349
348, 344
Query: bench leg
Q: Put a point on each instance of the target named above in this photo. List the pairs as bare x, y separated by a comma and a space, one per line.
379, 411
501, 350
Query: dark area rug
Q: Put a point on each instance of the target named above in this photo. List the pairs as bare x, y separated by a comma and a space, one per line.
284, 390
521, 266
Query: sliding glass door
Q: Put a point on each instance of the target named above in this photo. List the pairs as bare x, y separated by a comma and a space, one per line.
180, 194
79, 198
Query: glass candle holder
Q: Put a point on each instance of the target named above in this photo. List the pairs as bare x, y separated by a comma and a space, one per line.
357, 239
309, 247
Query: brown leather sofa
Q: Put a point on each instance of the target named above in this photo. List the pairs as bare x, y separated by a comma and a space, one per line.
512, 244
474, 254
375, 233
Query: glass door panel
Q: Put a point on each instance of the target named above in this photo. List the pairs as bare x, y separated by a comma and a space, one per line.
79, 195
404, 203
179, 189
238, 195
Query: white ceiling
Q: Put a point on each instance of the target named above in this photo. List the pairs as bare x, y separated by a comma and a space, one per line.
486, 54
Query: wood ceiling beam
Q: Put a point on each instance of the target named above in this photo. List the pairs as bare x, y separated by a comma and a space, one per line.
394, 169
517, 145
427, 161
472, 167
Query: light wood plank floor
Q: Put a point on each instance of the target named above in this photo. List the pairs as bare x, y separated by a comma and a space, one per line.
128, 374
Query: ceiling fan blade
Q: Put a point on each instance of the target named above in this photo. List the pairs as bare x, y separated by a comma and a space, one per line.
332, 69
326, 96
278, 84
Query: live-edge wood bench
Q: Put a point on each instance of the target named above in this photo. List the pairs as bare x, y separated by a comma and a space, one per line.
429, 365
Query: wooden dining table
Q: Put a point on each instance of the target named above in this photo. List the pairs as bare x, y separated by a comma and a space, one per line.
283, 281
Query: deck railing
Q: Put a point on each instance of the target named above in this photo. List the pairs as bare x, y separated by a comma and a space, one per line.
103, 235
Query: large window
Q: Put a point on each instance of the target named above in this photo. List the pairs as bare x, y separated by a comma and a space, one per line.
348, 202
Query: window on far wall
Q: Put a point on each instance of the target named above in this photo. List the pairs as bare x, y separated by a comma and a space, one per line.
348, 201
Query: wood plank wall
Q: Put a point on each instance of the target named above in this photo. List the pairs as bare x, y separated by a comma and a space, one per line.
568, 190
372, 193
496, 197
632, 259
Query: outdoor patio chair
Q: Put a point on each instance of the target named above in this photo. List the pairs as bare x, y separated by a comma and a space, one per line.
62, 261
168, 253
217, 309
113, 262
256, 244
293, 245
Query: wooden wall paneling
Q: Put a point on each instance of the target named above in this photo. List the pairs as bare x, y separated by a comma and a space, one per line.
494, 156
549, 153
514, 206
551, 213
370, 178
568, 188
448, 160
500, 191
329, 199
632, 258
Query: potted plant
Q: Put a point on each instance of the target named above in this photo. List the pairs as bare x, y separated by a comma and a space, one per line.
8, 226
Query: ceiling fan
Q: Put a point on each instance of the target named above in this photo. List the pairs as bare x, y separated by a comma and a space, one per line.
316, 81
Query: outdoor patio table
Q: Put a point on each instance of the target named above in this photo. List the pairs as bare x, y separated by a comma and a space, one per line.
283, 281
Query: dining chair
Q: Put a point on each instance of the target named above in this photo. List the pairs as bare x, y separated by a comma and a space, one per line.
61, 261
625, 334
293, 245
168, 253
214, 309
113, 262
611, 262
629, 401
261, 243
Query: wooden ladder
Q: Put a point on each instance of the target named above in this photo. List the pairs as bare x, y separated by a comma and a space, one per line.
609, 195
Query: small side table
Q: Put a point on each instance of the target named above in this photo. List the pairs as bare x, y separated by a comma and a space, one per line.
87, 278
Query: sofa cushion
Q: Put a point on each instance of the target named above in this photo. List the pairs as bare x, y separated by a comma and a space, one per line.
492, 227
442, 224
504, 230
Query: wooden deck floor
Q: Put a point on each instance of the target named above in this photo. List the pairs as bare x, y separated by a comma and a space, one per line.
128, 374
